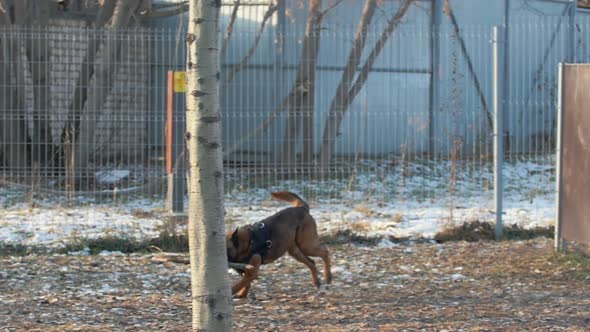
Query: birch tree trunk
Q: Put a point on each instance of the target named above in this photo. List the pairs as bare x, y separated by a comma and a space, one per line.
211, 296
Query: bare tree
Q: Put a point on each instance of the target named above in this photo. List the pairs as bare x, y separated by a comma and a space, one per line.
13, 129
96, 79
345, 94
336, 111
211, 296
21, 61
300, 101
230, 28
36, 13
26, 62
272, 8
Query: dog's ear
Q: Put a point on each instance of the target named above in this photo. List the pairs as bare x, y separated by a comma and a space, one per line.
235, 239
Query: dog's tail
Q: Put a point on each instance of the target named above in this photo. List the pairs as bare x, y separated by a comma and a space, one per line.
289, 197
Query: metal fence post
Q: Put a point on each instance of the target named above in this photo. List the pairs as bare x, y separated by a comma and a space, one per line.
506, 81
169, 138
178, 152
434, 89
572, 31
175, 144
498, 97
558, 151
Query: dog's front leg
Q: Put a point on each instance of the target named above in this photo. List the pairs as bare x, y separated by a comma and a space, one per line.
243, 285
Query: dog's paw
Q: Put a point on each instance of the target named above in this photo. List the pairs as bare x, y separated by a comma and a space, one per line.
316, 283
323, 289
241, 295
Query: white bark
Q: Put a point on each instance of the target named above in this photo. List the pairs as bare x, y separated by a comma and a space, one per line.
211, 296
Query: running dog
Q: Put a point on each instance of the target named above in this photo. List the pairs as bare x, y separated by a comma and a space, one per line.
291, 230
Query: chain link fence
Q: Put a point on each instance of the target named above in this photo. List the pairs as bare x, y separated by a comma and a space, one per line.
416, 135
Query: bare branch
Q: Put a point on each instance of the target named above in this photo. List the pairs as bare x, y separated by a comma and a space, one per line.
303, 86
272, 8
176, 10
470, 67
263, 126
343, 101
325, 11
376, 51
230, 28
104, 14
337, 108
157, 6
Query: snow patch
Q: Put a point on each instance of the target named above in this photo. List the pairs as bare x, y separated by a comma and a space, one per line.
110, 253
385, 243
111, 176
457, 277
387, 204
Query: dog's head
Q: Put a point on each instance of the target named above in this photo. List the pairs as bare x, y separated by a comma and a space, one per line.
238, 244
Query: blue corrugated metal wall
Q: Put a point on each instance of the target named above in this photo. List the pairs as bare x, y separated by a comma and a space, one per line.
393, 109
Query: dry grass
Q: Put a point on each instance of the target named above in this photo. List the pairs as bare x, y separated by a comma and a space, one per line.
366, 211
484, 231
360, 227
470, 286
397, 218
142, 214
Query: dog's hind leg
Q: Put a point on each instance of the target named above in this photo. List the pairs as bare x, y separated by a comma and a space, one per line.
308, 240
320, 251
296, 253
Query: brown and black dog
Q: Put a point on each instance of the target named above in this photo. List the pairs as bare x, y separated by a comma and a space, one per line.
291, 230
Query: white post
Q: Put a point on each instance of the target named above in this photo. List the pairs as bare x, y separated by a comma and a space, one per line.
558, 151
498, 96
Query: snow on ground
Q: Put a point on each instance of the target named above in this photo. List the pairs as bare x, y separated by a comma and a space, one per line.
413, 203
49, 225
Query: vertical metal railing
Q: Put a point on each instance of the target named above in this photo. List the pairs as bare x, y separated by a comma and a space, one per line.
499, 110
417, 129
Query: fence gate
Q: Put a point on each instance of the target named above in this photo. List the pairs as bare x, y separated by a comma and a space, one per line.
572, 232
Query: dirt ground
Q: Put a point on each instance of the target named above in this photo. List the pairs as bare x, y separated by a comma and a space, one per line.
456, 286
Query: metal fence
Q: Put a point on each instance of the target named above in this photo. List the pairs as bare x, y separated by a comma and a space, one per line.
86, 128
